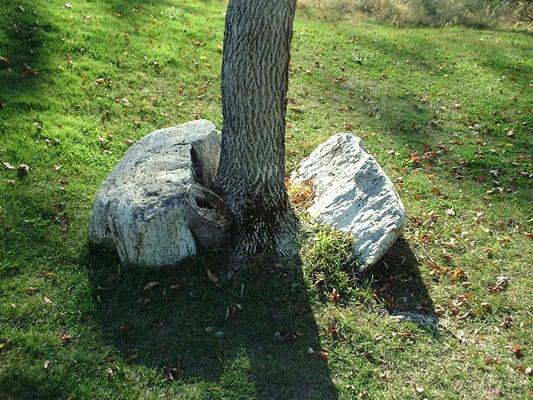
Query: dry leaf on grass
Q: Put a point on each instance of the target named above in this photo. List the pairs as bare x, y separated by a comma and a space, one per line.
212, 277
289, 336
501, 284
323, 354
517, 350
150, 285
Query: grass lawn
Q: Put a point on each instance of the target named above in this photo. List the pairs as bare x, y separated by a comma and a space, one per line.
446, 111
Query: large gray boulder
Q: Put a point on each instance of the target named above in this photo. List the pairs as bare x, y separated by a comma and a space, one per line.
353, 194
155, 206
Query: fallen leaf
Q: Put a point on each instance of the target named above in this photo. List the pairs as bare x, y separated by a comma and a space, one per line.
433, 217
324, 355
414, 158
287, 336
517, 350
501, 284
447, 257
489, 252
429, 155
490, 360
26, 70
50, 275
436, 191
457, 273
456, 305
122, 100
520, 368
172, 373
301, 194
334, 296
133, 354
232, 311
177, 286
333, 331
450, 212
504, 240
212, 277
150, 285
426, 238
30, 291
507, 322
65, 338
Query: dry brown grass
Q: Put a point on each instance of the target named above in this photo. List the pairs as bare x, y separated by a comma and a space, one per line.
473, 13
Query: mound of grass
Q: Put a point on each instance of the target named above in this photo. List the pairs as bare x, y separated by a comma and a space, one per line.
326, 256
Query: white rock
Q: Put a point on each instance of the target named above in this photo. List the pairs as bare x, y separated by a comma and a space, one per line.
353, 194
142, 209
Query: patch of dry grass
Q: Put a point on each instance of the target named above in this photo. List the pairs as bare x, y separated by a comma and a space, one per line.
472, 13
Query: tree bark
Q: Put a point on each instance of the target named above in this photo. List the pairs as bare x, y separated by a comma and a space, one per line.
252, 162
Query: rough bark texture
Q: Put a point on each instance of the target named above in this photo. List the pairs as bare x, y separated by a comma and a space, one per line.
254, 88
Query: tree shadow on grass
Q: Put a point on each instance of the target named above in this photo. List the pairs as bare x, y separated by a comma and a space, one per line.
23, 36
188, 328
15, 385
398, 283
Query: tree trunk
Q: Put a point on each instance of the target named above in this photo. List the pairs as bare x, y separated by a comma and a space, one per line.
252, 161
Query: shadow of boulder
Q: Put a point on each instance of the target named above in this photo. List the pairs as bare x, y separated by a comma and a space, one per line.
397, 282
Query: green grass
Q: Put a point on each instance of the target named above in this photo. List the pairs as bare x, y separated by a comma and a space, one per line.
439, 108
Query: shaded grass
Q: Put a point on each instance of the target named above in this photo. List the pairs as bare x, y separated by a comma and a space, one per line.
447, 96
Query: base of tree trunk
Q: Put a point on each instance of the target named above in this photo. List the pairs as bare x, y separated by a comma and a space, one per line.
268, 231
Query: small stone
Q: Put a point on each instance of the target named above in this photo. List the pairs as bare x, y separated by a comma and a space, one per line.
353, 194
